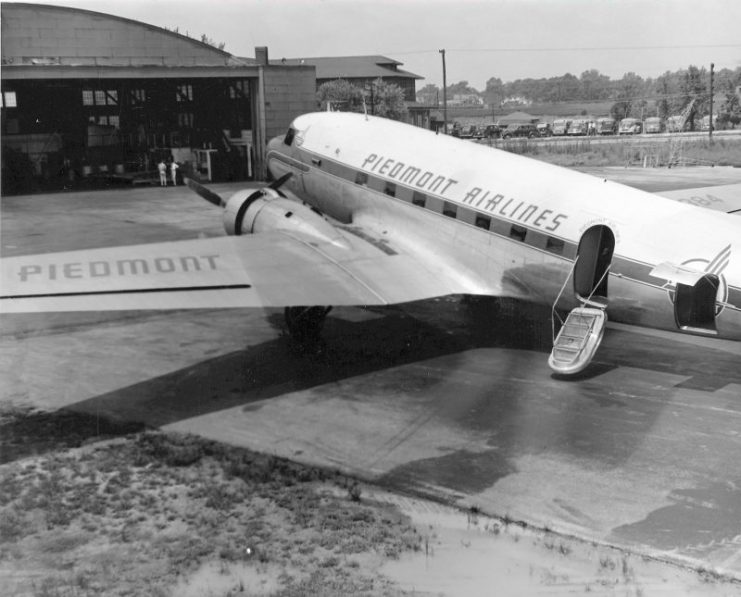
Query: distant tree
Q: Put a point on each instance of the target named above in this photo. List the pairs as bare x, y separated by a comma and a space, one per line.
494, 93
461, 88
666, 88
429, 94
386, 100
207, 40
629, 97
693, 86
730, 109
341, 95
594, 86
378, 98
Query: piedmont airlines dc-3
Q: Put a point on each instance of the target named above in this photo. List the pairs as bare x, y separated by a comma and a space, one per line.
367, 211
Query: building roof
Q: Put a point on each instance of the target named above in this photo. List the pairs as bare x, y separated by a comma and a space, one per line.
352, 67
44, 41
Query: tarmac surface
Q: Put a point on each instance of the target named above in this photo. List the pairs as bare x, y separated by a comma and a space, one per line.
442, 398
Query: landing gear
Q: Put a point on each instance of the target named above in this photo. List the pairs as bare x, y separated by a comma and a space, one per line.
305, 323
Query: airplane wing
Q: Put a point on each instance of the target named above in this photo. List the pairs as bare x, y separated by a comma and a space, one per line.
269, 269
725, 198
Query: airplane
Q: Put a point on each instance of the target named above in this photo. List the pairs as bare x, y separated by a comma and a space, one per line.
368, 211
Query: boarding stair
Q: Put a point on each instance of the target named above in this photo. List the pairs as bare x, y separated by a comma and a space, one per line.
580, 334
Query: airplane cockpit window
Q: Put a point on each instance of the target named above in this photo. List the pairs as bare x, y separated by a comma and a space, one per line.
288, 139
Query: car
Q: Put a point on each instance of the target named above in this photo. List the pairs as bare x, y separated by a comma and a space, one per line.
520, 130
629, 126
578, 127
561, 126
492, 131
544, 129
652, 124
605, 126
468, 131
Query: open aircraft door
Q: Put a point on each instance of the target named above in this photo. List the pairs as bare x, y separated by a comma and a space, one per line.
594, 257
695, 297
581, 333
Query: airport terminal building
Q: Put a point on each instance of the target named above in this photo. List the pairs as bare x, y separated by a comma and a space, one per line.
89, 96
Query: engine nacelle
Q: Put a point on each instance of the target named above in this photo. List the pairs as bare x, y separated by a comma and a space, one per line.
251, 212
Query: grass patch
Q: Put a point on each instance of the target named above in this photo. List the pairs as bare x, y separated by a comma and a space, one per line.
133, 516
664, 152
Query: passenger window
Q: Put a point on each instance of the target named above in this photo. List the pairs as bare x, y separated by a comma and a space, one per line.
450, 210
288, 139
518, 232
483, 222
419, 199
554, 245
390, 189
361, 178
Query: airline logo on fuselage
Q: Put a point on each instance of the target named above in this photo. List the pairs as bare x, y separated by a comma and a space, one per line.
482, 199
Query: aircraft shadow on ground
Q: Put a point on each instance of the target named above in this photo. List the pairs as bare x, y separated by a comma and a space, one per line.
400, 335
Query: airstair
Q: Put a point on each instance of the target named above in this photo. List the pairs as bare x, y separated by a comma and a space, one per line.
581, 333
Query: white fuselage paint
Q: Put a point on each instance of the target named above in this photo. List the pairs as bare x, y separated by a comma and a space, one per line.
346, 164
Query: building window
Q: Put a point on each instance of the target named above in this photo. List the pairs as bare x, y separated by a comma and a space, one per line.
9, 100
419, 199
99, 97
184, 93
238, 89
138, 96
450, 210
185, 119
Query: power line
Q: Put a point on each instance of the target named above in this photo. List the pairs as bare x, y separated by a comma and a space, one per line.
576, 49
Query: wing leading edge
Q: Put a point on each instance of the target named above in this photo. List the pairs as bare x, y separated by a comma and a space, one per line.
272, 269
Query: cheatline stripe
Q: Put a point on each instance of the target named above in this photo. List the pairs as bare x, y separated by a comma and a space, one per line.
713, 265
130, 291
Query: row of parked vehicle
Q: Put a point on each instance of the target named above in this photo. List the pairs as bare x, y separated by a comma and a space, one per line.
574, 127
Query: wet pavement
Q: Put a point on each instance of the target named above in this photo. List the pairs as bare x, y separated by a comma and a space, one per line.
442, 398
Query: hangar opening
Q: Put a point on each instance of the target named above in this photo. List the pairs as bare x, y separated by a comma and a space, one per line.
93, 98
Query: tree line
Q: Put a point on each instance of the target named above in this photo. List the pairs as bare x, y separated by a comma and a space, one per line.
631, 95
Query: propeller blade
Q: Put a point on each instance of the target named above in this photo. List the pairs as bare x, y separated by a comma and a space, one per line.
207, 194
276, 184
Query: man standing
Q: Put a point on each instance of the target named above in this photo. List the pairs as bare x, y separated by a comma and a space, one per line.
163, 173
174, 171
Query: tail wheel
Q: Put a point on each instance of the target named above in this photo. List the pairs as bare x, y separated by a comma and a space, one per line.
305, 323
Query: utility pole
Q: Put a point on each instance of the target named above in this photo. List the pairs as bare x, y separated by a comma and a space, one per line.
445, 96
710, 128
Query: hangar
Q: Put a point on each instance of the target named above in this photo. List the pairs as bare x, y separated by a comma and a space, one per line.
89, 97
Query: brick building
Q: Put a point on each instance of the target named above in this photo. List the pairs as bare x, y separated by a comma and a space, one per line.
88, 95
361, 71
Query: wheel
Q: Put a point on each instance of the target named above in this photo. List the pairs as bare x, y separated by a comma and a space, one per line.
305, 323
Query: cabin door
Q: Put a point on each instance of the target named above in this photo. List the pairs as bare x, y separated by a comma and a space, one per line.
594, 257
694, 306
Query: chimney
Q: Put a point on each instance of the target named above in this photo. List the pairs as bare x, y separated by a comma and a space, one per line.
261, 55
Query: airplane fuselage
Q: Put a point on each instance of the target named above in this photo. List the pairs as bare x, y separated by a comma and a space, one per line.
513, 226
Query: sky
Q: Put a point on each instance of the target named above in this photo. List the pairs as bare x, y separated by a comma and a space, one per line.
508, 39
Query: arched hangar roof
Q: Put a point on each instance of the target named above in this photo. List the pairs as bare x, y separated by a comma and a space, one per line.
44, 41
